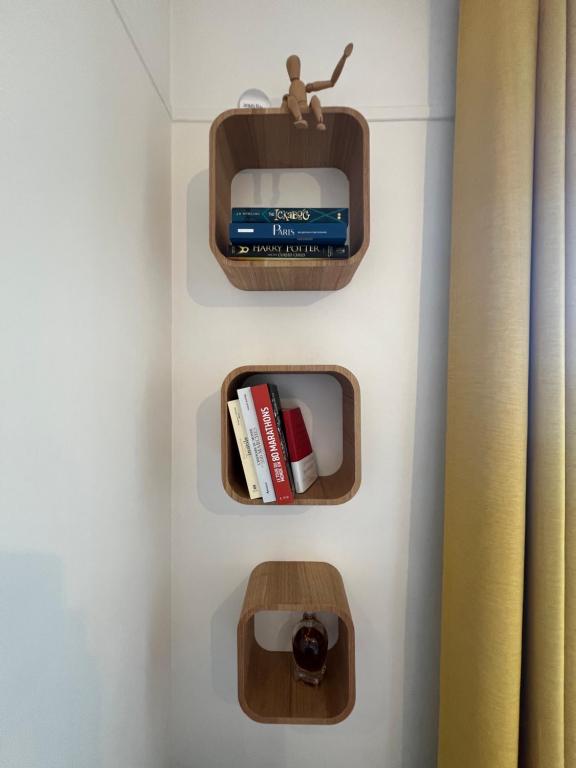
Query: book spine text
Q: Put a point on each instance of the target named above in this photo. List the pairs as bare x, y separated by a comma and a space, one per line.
244, 449
300, 215
256, 445
295, 251
327, 234
277, 408
272, 445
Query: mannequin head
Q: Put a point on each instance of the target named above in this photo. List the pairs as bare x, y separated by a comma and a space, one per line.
293, 67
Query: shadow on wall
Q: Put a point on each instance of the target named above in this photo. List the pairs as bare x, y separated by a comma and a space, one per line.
223, 642
210, 488
207, 283
424, 570
424, 577
272, 741
50, 703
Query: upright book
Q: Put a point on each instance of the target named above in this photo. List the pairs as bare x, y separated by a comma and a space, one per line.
272, 443
244, 449
300, 450
253, 430
277, 408
293, 232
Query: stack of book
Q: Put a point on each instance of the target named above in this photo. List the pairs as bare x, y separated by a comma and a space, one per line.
274, 446
288, 233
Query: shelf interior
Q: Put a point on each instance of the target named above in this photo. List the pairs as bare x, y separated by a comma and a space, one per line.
267, 690
273, 695
327, 489
273, 629
268, 140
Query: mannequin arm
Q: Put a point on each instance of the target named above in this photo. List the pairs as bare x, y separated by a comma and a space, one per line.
320, 85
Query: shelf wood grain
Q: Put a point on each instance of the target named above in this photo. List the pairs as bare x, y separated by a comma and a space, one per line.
267, 691
328, 489
243, 139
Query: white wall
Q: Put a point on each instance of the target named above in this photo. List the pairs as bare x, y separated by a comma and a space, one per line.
84, 392
147, 24
402, 63
388, 326
85, 382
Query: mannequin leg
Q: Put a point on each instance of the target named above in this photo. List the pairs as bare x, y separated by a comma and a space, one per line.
317, 112
294, 108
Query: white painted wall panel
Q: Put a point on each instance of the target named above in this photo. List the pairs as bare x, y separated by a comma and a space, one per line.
389, 327
402, 64
148, 24
84, 393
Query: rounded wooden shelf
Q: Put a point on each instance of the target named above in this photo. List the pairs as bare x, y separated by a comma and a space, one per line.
267, 691
328, 489
243, 139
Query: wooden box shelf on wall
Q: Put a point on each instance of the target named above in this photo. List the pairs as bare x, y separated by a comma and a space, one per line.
243, 139
329, 489
267, 691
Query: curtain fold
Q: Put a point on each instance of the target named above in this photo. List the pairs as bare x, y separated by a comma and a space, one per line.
542, 708
570, 298
508, 618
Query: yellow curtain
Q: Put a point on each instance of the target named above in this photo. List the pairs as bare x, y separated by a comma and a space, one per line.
508, 661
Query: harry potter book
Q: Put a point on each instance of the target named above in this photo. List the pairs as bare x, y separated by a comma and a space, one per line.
279, 251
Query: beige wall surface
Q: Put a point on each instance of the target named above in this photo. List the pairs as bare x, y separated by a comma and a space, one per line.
388, 326
89, 337
84, 393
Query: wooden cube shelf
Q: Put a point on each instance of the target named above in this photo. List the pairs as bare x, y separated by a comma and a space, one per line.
265, 138
328, 489
267, 690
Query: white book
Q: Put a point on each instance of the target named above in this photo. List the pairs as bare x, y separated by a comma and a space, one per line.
305, 472
244, 449
256, 445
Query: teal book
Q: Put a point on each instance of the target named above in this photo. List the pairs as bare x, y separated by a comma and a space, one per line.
296, 215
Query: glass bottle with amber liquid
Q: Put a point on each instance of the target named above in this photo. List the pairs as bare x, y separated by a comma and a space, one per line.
309, 650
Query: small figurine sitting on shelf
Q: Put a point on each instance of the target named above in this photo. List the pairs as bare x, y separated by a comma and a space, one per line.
296, 100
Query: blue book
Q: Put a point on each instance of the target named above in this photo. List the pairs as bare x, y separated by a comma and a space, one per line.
291, 215
265, 234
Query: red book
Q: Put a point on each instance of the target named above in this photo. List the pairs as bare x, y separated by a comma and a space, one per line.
302, 459
297, 438
272, 445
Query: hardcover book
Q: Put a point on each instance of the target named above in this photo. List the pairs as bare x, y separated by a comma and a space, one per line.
278, 251
325, 234
272, 444
256, 445
277, 408
300, 215
302, 457
244, 449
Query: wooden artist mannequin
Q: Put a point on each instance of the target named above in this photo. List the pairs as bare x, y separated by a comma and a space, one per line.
296, 100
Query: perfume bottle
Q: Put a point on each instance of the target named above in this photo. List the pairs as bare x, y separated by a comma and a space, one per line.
309, 649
